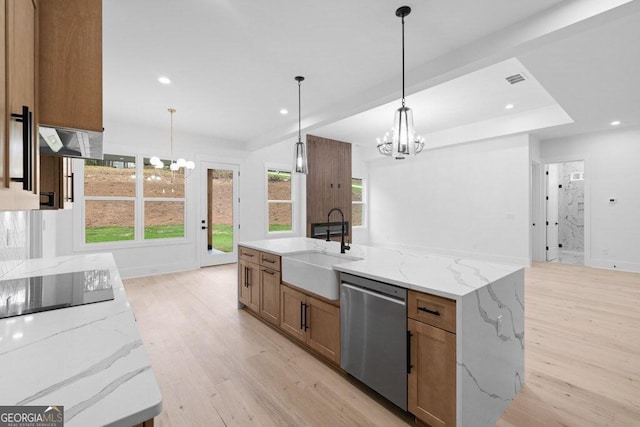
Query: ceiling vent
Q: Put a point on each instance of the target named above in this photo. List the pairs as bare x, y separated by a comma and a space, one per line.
516, 78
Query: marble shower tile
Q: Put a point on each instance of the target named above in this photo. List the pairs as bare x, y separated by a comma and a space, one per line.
571, 208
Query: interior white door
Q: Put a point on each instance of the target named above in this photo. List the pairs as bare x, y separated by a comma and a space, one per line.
536, 220
219, 218
552, 212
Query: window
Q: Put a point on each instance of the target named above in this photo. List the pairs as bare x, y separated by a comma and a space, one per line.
127, 199
109, 199
279, 201
358, 202
163, 201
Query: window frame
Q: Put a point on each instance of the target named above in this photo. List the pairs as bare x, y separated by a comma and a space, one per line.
139, 200
294, 188
363, 203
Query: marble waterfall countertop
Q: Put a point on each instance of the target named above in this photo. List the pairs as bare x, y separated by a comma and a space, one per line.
489, 314
446, 276
89, 359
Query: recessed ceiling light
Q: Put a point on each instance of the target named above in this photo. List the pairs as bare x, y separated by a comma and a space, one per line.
508, 106
284, 111
615, 123
164, 80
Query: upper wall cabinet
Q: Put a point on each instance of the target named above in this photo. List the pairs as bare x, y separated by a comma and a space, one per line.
18, 147
328, 181
70, 69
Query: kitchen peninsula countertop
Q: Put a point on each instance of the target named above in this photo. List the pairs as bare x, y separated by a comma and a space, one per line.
89, 358
446, 276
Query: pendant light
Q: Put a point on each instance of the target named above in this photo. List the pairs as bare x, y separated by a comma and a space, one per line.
173, 166
300, 153
403, 141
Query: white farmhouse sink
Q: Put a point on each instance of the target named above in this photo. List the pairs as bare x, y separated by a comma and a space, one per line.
313, 271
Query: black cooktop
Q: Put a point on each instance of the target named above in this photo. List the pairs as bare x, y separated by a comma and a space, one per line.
51, 292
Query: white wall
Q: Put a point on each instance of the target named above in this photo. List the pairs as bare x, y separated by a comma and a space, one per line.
160, 257
467, 200
360, 169
611, 170
253, 192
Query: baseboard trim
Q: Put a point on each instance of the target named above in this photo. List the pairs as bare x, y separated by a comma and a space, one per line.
152, 270
608, 264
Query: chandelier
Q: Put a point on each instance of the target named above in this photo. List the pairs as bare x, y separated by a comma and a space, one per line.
402, 141
173, 166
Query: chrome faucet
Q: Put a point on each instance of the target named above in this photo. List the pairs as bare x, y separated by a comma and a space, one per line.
343, 247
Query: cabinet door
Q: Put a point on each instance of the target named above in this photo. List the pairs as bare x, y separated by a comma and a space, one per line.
20, 57
70, 69
291, 312
432, 381
249, 285
323, 334
270, 295
4, 172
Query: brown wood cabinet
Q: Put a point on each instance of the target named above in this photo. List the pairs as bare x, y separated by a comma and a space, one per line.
432, 380
328, 180
70, 67
19, 21
259, 283
311, 321
56, 182
249, 284
270, 288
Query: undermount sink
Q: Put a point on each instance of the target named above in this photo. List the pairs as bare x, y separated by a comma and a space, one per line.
313, 271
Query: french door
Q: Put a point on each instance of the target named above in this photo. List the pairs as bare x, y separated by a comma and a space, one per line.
219, 213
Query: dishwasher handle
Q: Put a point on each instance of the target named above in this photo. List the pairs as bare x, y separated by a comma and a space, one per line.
373, 293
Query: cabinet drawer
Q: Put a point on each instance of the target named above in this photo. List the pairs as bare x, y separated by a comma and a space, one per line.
250, 255
434, 310
270, 261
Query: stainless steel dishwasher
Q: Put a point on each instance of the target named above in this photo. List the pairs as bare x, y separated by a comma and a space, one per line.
373, 335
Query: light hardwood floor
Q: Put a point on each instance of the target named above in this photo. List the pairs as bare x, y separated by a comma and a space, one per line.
217, 365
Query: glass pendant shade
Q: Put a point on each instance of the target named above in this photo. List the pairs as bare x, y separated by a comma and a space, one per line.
300, 151
300, 158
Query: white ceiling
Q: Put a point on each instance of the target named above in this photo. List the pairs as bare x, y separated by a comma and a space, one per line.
232, 64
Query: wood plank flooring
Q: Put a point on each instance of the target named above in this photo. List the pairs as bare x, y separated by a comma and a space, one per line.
219, 366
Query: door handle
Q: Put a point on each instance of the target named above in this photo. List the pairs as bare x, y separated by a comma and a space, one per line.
409, 365
264, 270
434, 312
306, 326
26, 118
204, 227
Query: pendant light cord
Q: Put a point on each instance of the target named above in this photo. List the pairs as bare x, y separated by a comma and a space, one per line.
403, 61
299, 113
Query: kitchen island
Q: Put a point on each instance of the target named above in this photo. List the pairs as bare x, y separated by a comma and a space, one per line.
488, 300
88, 358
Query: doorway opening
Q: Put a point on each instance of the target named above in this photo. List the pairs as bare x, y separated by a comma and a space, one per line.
565, 212
219, 210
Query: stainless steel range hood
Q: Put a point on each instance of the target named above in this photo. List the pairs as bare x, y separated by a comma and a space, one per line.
67, 142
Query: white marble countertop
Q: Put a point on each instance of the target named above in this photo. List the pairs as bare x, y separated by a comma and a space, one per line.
442, 275
89, 358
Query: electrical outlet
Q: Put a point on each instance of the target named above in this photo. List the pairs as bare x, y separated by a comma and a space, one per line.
605, 251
